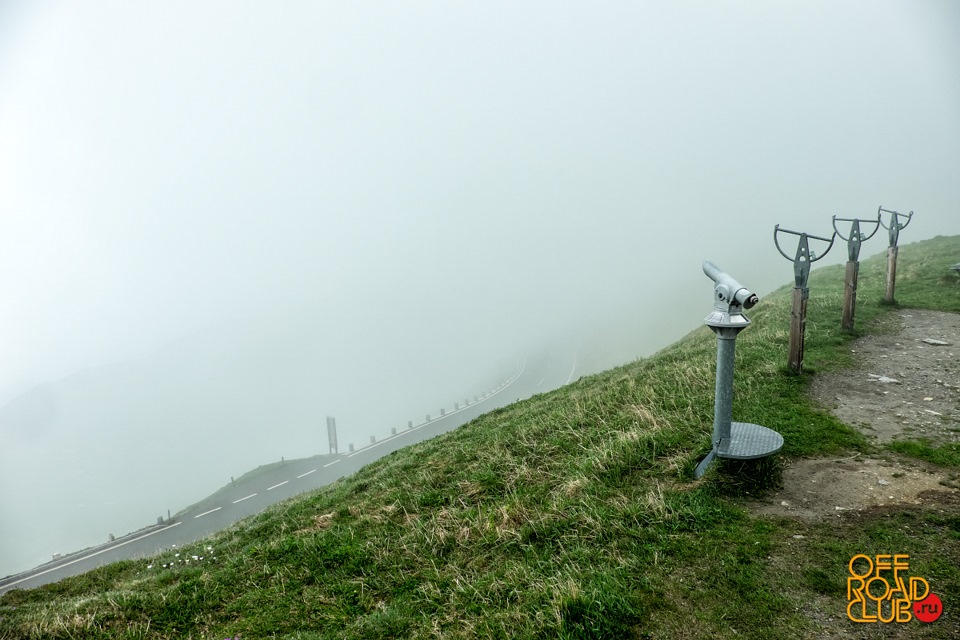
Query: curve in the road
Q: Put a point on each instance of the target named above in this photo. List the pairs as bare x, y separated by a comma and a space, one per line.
251, 497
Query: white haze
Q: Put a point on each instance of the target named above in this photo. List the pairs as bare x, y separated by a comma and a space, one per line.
366, 209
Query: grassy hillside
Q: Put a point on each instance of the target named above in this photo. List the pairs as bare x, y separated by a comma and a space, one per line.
569, 515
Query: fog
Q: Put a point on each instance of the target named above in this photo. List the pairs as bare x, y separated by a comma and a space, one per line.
221, 222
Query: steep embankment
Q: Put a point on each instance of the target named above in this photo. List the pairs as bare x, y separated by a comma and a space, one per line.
572, 514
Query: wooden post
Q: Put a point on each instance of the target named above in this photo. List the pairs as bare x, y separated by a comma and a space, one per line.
850, 295
891, 274
798, 327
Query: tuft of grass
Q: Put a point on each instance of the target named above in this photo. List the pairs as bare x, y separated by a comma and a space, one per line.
946, 455
573, 514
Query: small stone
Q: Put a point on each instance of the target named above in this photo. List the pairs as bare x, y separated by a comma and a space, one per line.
784, 503
886, 380
797, 536
933, 412
936, 343
883, 482
928, 398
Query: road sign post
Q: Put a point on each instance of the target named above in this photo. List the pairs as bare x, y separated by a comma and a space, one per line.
332, 434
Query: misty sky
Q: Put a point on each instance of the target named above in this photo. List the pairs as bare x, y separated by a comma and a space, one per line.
167, 166
469, 177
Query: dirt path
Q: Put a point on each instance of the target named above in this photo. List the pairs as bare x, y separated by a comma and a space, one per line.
906, 386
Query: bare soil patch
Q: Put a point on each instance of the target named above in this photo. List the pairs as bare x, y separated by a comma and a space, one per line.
815, 489
906, 386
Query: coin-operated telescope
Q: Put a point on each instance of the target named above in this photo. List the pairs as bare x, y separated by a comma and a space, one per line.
737, 440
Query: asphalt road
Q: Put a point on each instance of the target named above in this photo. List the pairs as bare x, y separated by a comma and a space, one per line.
257, 491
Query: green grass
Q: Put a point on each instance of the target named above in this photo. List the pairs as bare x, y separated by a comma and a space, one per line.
946, 455
569, 515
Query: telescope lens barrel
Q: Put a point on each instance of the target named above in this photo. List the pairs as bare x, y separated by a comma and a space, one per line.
711, 270
745, 298
741, 295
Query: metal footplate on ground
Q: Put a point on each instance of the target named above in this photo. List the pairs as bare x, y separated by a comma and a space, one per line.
735, 440
748, 441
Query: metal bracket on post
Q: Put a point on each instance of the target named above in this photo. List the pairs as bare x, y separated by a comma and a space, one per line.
801, 273
894, 231
854, 240
894, 227
737, 440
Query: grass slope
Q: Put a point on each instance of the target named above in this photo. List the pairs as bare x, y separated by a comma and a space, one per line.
569, 515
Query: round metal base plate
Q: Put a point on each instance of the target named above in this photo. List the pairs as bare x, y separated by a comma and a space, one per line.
749, 441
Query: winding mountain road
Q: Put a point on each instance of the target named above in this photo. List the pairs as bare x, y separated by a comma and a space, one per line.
257, 491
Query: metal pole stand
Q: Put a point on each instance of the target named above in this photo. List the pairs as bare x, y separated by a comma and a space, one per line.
892, 251
854, 240
801, 273
736, 440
